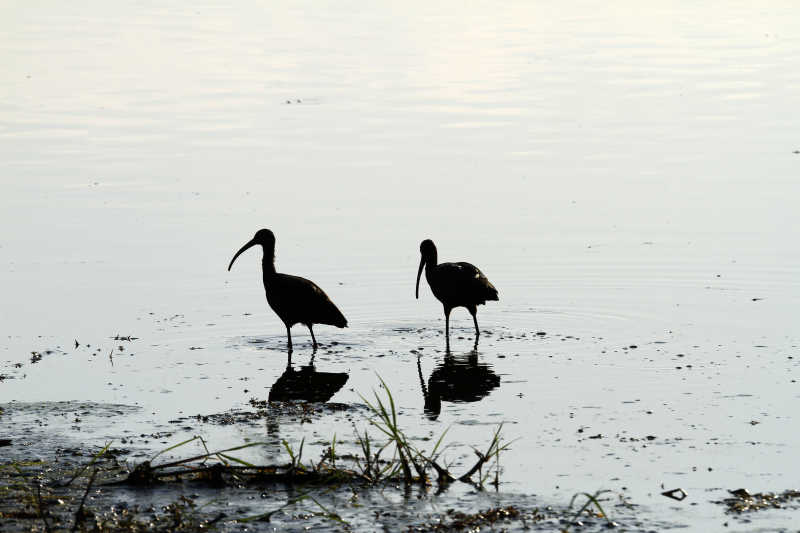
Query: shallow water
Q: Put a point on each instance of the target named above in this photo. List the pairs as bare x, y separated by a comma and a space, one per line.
625, 177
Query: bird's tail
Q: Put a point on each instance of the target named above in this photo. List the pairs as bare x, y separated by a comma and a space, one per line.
337, 318
491, 293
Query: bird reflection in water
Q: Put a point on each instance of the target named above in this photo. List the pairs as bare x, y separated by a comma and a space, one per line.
295, 389
458, 379
306, 384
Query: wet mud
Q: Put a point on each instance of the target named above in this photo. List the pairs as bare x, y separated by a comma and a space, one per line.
73, 489
51, 481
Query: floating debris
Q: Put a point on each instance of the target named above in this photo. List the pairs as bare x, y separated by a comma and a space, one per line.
119, 337
675, 494
456, 521
743, 501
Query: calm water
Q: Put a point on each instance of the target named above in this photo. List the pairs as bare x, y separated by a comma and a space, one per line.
625, 175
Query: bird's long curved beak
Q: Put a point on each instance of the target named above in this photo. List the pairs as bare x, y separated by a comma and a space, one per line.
419, 273
252, 242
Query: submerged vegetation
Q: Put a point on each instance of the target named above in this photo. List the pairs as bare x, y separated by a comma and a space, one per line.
341, 488
34, 497
76, 492
741, 501
404, 462
78, 496
407, 455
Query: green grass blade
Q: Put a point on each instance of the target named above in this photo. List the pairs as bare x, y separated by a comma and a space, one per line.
187, 441
90, 463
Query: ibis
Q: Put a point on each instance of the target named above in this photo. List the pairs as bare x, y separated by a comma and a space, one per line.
294, 299
455, 285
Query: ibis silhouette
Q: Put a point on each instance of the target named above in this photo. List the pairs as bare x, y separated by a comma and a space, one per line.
455, 285
294, 299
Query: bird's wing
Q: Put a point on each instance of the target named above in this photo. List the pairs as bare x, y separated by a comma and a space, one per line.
303, 288
463, 274
459, 273
313, 299
466, 276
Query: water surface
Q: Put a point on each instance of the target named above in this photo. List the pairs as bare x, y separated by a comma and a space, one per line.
625, 175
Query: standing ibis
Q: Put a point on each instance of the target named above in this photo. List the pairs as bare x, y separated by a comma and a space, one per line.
455, 285
294, 299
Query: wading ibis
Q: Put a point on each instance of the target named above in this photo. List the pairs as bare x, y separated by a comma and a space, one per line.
294, 299
455, 285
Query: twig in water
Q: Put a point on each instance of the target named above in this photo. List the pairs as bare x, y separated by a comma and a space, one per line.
90, 463
41, 510
79, 514
494, 450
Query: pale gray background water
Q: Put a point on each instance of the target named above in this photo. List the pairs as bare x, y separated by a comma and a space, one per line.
623, 173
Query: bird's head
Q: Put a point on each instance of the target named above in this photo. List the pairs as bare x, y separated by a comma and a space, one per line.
264, 237
427, 251
427, 248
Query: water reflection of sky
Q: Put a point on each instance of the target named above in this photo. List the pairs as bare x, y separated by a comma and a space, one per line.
623, 174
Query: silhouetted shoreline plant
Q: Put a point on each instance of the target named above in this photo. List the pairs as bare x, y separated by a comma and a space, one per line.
408, 464
387, 460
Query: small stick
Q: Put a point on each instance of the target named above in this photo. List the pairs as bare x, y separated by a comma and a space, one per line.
41, 512
444, 475
79, 513
481, 459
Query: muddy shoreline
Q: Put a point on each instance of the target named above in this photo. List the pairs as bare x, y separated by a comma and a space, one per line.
55, 484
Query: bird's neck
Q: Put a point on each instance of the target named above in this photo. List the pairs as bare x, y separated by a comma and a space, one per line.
268, 262
430, 264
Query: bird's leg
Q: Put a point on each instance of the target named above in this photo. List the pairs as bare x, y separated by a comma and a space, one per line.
474, 313
289, 336
313, 339
447, 328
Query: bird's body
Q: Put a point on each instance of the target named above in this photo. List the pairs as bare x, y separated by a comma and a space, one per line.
294, 299
459, 285
455, 285
298, 300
